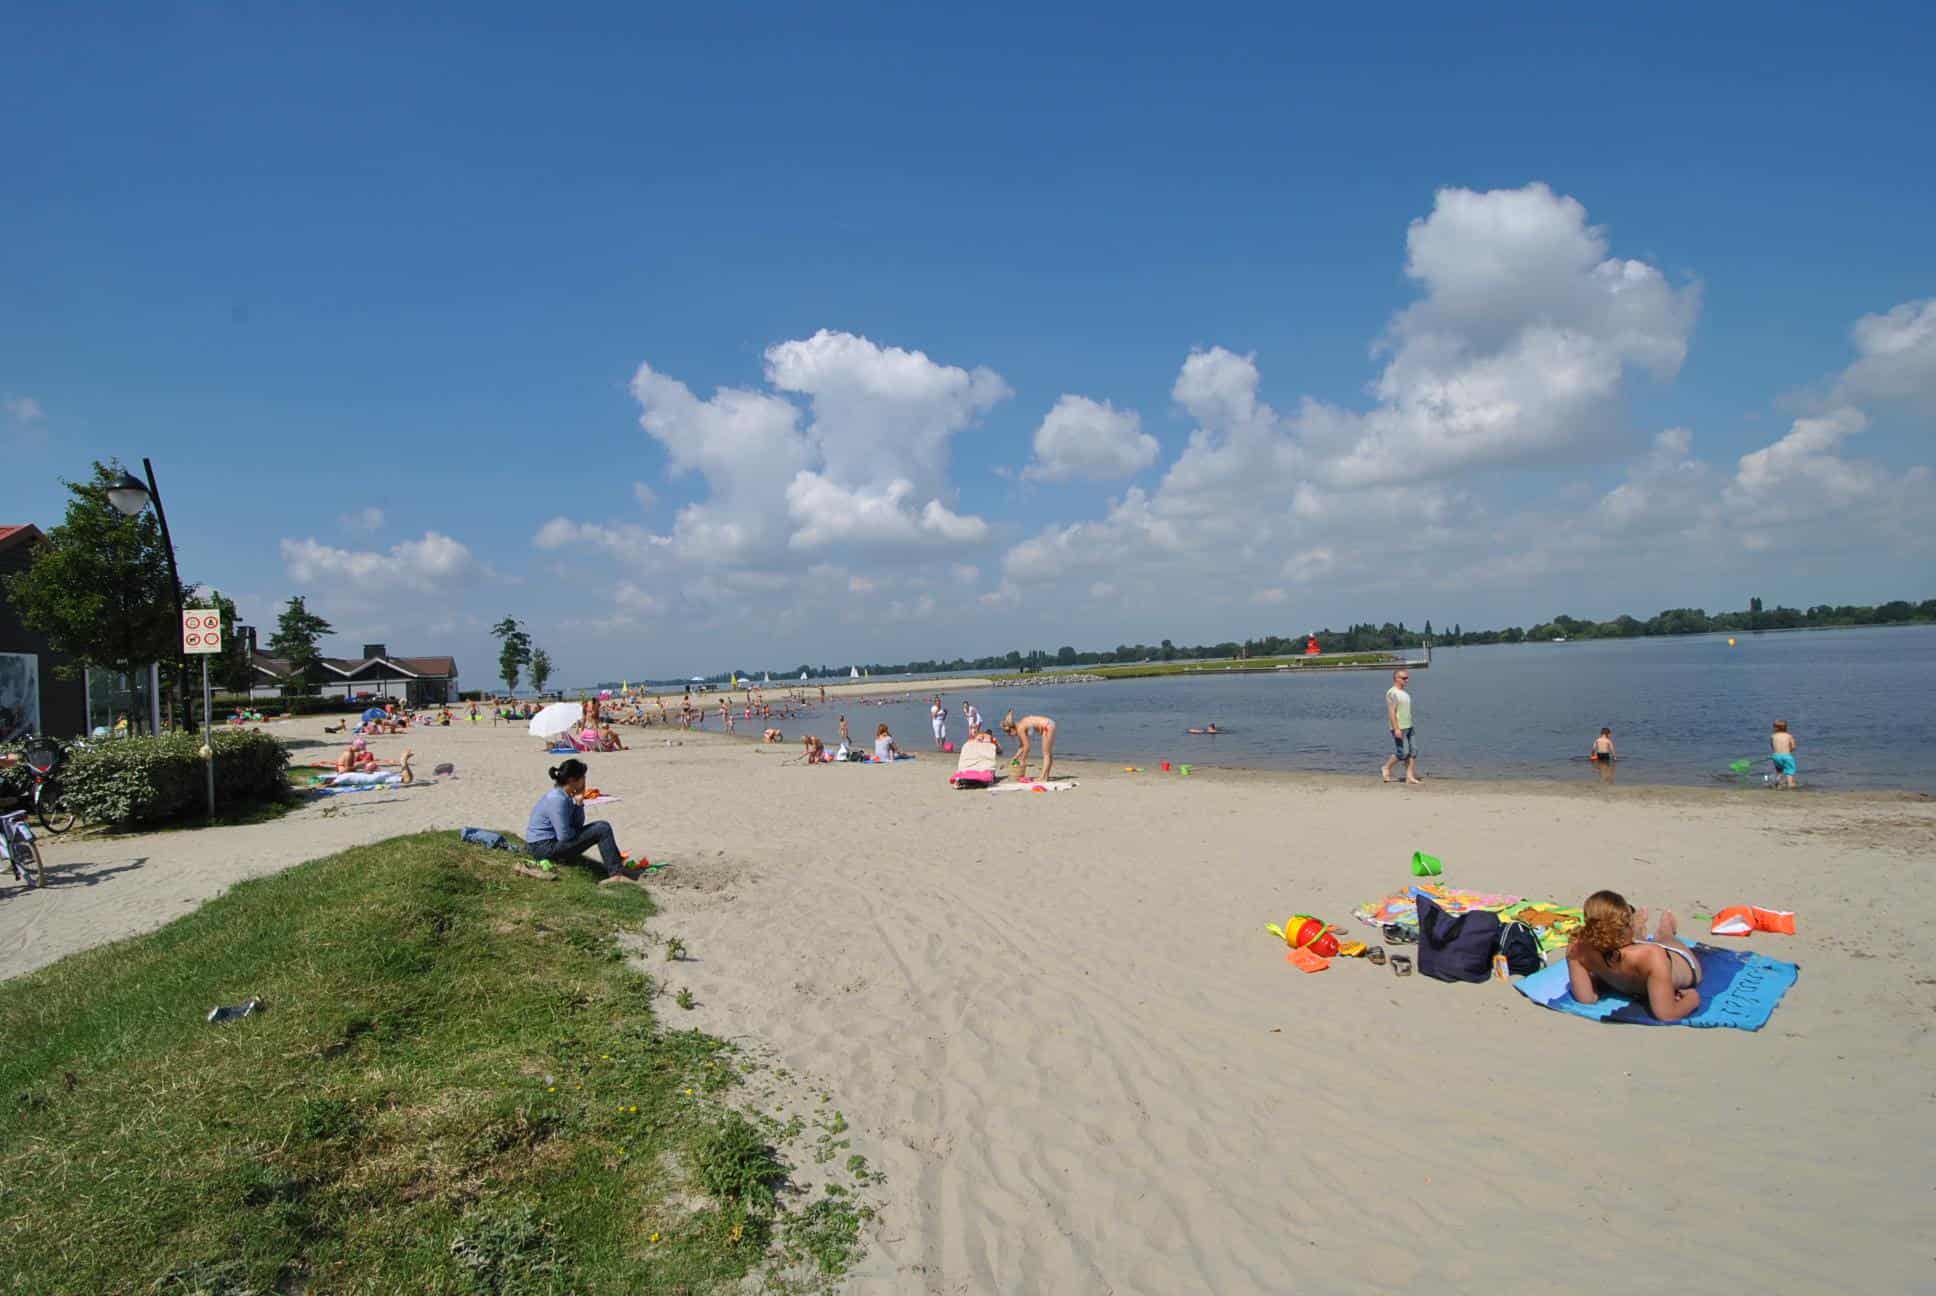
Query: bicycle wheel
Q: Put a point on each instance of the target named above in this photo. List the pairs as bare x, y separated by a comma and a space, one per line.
53, 816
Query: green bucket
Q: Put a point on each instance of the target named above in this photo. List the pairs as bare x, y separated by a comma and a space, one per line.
1424, 865
1743, 765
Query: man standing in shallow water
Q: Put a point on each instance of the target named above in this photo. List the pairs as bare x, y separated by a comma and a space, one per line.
1398, 719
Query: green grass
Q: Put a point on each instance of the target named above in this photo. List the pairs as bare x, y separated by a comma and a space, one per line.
1141, 669
457, 1085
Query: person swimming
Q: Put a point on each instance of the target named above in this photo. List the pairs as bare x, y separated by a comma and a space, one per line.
1612, 953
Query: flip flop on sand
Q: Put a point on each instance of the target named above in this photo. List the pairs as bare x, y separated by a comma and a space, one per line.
531, 871
1401, 965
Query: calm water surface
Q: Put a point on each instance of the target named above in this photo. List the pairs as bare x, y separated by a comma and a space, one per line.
1681, 709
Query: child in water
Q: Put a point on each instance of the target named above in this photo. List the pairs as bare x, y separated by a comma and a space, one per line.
1782, 752
1613, 953
1602, 747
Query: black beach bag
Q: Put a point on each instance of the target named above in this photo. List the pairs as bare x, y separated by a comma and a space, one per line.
1455, 947
1519, 942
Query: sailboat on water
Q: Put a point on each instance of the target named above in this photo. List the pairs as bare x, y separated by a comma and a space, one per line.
853, 672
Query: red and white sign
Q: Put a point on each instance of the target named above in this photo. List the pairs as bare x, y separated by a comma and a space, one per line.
202, 631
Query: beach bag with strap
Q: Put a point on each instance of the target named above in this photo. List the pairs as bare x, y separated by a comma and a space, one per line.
1519, 943
1455, 947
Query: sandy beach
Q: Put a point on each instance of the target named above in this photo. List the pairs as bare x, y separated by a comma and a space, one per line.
1056, 1020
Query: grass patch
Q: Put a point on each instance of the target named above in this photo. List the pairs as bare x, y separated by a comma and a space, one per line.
457, 1085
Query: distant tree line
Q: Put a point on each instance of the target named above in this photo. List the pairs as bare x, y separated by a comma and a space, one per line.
1373, 638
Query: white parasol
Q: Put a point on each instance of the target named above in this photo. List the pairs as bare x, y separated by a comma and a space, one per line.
555, 719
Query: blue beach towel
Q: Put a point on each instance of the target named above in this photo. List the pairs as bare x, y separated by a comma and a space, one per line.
1738, 989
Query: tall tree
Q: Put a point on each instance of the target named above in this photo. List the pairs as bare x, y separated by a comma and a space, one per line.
298, 632
514, 650
99, 586
540, 668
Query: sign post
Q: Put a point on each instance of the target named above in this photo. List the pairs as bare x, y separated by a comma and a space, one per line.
202, 635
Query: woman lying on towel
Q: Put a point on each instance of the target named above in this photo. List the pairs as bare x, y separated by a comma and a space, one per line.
1613, 952
976, 764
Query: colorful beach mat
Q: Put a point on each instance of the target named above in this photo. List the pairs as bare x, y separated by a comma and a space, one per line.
1738, 989
1554, 923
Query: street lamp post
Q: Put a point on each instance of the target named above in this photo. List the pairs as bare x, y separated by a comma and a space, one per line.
129, 496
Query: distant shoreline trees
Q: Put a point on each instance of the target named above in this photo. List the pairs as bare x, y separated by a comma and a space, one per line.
1377, 638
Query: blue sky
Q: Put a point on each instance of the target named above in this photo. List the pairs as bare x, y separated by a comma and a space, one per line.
1403, 314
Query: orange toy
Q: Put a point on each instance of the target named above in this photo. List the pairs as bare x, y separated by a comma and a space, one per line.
1739, 920
1307, 961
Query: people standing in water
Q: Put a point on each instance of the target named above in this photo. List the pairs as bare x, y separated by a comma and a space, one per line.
971, 716
1613, 952
1038, 727
938, 717
1782, 749
558, 831
1602, 749
1398, 719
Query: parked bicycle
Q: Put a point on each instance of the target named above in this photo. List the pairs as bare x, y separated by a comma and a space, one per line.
43, 758
22, 851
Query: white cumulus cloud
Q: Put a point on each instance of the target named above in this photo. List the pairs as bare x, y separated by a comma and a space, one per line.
432, 563
1895, 358
1085, 438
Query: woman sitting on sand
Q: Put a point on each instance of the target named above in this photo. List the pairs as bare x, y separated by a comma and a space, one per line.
356, 758
558, 831
1040, 726
609, 741
885, 748
1612, 953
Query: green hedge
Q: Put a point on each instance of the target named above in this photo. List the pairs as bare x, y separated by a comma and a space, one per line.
153, 780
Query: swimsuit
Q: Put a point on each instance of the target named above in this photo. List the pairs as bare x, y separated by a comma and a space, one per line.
1693, 964
1784, 763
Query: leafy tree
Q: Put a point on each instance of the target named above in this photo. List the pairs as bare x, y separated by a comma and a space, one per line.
514, 650
298, 634
540, 668
99, 586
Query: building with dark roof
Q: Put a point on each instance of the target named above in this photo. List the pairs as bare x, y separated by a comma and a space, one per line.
415, 681
33, 698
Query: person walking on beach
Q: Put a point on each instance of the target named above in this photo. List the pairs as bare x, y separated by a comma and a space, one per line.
1782, 748
843, 731
1398, 719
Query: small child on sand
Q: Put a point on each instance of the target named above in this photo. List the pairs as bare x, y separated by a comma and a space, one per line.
1613, 952
1782, 745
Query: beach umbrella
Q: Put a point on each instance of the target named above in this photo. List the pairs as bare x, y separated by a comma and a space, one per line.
555, 719
374, 713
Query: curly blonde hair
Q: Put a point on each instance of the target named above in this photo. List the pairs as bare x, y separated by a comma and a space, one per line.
1608, 927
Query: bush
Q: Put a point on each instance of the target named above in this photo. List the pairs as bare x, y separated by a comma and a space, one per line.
151, 780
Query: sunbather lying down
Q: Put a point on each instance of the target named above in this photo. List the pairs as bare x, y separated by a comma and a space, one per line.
1613, 952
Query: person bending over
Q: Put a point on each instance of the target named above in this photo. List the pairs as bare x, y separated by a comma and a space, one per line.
1032, 726
558, 830
1613, 952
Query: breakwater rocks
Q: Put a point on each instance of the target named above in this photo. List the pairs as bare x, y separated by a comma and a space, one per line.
1036, 681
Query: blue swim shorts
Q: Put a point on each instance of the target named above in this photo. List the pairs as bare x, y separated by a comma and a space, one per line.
1784, 763
1403, 746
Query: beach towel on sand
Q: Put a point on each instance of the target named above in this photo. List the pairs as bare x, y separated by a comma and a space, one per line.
1034, 785
1738, 989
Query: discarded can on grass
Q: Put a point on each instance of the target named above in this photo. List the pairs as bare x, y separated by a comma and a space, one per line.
231, 1012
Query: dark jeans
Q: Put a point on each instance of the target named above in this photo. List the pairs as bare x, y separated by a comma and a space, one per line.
597, 834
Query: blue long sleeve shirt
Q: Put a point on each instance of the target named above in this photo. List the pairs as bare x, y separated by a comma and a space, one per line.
556, 818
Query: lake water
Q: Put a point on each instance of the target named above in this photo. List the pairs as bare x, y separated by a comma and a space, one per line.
1859, 702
